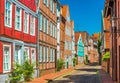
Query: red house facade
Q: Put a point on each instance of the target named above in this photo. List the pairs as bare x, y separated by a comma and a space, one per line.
18, 33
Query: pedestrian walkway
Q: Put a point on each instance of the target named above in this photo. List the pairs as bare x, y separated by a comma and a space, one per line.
51, 76
105, 78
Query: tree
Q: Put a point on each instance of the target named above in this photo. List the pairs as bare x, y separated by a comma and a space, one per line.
99, 49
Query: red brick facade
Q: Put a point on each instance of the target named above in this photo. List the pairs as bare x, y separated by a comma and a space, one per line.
62, 37
112, 8
94, 57
48, 39
68, 37
18, 34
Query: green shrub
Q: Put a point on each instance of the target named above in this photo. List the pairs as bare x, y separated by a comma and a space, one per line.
28, 70
86, 59
74, 62
60, 64
16, 73
106, 56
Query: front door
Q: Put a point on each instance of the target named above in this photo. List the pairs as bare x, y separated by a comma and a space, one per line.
18, 54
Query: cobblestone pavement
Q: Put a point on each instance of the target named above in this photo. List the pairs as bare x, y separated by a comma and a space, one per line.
82, 74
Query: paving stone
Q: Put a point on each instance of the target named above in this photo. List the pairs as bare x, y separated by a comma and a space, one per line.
82, 74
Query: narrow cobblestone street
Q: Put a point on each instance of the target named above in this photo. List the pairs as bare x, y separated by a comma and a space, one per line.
82, 74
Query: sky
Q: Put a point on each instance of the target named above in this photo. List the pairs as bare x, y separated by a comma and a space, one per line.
86, 14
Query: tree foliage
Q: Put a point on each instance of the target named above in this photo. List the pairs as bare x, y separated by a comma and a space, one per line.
106, 56
99, 44
74, 62
28, 70
99, 49
60, 64
16, 73
20, 71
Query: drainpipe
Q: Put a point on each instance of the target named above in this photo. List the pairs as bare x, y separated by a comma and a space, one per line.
37, 2
38, 52
114, 43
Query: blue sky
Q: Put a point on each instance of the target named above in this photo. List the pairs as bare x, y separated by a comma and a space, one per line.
86, 14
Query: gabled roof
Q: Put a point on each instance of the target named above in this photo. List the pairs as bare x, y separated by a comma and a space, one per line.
65, 9
84, 36
80, 41
95, 36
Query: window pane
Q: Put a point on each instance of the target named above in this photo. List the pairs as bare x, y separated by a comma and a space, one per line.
17, 57
8, 13
40, 21
6, 58
44, 57
18, 17
32, 26
26, 20
33, 56
47, 26
40, 54
26, 53
44, 24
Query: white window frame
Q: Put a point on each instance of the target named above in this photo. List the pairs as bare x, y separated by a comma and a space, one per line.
44, 53
20, 19
9, 64
51, 25
51, 55
40, 53
55, 32
26, 25
33, 59
47, 3
28, 56
32, 25
51, 1
53, 7
44, 26
7, 25
19, 56
47, 26
53, 52
41, 21
44, 1
47, 55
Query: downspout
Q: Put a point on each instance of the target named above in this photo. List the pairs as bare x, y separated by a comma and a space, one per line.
38, 16
38, 52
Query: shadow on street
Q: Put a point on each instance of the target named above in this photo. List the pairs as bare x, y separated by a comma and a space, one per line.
85, 78
86, 74
88, 70
93, 64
